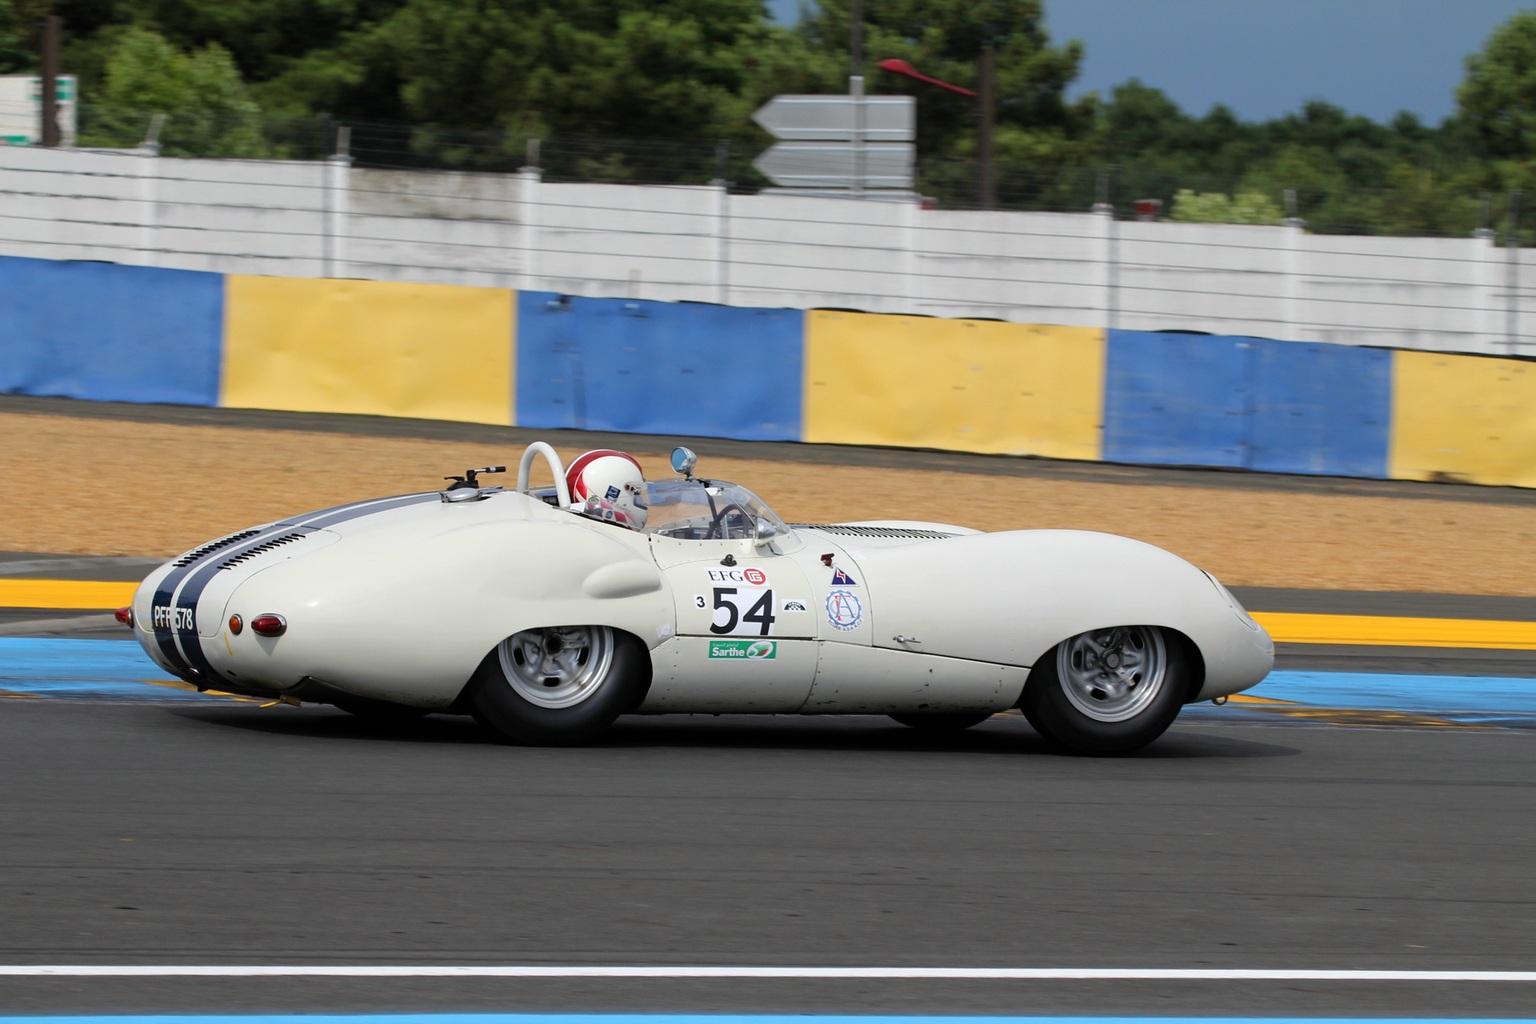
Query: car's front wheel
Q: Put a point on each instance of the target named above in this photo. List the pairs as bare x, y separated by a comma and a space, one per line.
1108, 691
559, 685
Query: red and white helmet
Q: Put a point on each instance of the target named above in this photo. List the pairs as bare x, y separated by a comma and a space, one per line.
613, 480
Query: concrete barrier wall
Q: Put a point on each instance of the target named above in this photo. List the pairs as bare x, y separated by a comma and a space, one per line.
658, 368
1461, 418
1247, 403
110, 333
546, 360
960, 385
426, 351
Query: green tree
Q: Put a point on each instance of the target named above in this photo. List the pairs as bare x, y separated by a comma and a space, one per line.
206, 109
1036, 130
1191, 207
1497, 98
15, 55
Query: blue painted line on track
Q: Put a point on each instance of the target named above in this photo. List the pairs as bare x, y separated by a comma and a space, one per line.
120, 670
76, 669
1380, 691
682, 1018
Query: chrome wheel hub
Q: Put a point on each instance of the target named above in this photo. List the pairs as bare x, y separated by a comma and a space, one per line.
557, 668
1111, 675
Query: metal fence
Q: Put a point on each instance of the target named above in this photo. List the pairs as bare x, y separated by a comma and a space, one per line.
1131, 190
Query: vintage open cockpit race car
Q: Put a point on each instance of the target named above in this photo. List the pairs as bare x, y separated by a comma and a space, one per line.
548, 621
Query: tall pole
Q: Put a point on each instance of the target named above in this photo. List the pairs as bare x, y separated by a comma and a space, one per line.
856, 90
1512, 250
49, 84
984, 112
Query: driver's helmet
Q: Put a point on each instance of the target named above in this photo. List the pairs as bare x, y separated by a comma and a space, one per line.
608, 485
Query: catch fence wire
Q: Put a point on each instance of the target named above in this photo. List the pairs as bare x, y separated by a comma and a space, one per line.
60, 211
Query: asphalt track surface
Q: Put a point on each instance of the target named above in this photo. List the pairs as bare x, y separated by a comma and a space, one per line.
216, 832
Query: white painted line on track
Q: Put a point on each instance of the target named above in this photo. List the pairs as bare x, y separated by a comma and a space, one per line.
685, 971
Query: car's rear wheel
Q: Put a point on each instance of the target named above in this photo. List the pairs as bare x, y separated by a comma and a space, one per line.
559, 685
1108, 691
942, 721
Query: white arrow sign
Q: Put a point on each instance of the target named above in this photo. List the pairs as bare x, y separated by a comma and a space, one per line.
831, 164
831, 118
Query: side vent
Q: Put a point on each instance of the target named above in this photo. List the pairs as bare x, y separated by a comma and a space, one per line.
208, 549
261, 549
845, 530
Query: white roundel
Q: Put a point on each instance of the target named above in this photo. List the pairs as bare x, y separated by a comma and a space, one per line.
611, 477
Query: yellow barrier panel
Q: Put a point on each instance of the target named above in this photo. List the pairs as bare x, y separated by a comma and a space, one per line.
960, 385
64, 594
379, 348
1464, 418
1390, 631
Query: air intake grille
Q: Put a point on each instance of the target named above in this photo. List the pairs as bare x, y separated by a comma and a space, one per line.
261, 549
234, 538
891, 532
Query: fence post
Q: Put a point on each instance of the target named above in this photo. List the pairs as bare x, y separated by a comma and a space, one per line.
1512, 252
1109, 232
722, 222
1295, 234
530, 186
148, 153
338, 183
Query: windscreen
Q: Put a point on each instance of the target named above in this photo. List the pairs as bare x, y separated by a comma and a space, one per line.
708, 510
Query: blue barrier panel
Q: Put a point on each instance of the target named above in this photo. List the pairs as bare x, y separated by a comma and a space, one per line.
110, 333
658, 368
1176, 399
1250, 403
1323, 409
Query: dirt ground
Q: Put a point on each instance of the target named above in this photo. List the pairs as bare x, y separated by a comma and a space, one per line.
113, 487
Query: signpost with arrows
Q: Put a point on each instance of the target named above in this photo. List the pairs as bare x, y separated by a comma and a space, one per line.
849, 142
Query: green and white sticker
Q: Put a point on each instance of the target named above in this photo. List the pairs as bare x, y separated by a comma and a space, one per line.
744, 650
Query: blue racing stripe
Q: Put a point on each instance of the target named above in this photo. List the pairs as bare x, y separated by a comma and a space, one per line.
183, 646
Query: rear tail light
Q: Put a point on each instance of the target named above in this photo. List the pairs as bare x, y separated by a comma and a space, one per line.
269, 624
125, 616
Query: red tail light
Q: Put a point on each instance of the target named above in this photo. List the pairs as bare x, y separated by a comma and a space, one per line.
125, 616
236, 624
269, 624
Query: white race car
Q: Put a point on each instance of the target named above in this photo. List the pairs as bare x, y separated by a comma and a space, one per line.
548, 623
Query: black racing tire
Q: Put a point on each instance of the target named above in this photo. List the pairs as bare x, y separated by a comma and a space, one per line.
1109, 691
941, 721
382, 711
559, 686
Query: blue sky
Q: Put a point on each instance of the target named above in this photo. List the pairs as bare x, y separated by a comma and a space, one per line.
1265, 58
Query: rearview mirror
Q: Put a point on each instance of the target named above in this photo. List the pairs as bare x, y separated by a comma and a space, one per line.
683, 461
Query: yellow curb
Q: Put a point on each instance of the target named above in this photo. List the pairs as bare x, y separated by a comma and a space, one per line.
64, 594
1389, 631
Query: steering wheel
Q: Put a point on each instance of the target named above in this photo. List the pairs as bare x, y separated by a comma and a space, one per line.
717, 522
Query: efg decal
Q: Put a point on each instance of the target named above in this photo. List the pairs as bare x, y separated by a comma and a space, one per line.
844, 610
842, 579
751, 576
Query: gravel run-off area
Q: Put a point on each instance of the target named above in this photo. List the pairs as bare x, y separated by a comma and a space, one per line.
95, 484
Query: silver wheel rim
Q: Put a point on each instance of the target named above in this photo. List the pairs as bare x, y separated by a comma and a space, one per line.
1112, 675
558, 667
